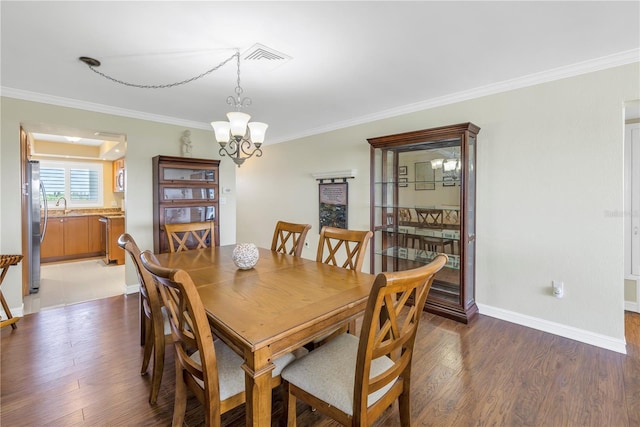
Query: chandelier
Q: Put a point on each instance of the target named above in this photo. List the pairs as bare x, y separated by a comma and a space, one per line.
232, 135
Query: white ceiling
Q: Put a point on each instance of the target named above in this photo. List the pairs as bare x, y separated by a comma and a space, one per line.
351, 62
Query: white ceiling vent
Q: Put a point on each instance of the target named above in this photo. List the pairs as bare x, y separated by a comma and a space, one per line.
259, 53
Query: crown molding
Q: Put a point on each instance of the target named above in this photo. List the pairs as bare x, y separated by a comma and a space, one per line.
584, 67
98, 108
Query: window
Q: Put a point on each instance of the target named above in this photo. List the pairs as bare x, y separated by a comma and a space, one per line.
79, 183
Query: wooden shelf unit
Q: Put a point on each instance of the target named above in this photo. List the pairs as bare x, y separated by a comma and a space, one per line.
185, 189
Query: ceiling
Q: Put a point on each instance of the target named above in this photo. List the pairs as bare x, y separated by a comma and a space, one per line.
345, 62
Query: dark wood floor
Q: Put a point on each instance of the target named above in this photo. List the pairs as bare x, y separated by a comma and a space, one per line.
79, 365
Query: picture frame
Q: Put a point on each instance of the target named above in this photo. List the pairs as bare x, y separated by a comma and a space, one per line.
403, 182
449, 178
424, 176
402, 170
333, 204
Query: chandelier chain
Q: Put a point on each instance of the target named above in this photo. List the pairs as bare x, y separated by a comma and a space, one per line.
168, 85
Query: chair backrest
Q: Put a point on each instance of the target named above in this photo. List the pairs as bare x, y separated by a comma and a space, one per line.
191, 235
288, 238
347, 247
389, 329
405, 215
151, 302
429, 217
190, 332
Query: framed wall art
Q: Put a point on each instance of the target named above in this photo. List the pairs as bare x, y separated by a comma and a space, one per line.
425, 178
333, 204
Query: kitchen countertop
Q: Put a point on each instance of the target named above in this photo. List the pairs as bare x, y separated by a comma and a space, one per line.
109, 213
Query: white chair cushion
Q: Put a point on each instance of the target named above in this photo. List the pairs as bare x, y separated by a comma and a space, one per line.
328, 372
230, 373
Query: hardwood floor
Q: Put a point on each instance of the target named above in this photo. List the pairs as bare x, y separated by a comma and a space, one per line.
79, 365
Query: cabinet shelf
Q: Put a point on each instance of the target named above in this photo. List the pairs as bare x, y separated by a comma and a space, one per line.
401, 182
419, 255
425, 211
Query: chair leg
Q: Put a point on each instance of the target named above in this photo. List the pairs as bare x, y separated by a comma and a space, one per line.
404, 406
180, 402
148, 346
143, 321
289, 403
158, 366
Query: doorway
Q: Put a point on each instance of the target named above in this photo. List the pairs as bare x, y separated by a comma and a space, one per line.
78, 167
632, 206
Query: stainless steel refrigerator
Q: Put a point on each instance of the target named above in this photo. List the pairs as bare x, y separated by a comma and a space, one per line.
36, 222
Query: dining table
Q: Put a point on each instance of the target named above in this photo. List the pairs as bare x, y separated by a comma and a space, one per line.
274, 308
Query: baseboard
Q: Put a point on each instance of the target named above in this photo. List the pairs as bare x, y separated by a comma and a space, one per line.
632, 306
15, 311
131, 289
603, 341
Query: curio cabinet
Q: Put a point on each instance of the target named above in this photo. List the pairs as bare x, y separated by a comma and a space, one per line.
423, 190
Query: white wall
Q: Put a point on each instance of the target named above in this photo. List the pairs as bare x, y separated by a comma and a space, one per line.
145, 139
549, 169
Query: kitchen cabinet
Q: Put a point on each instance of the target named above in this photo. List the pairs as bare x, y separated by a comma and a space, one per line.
52, 247
71, 237
185, 190
76, 235
423, 189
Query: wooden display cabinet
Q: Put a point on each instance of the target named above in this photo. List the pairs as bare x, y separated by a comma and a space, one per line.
423, 190
185, 189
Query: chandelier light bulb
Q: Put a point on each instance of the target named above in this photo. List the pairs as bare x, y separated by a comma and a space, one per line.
238, 121
258, 130
222, 131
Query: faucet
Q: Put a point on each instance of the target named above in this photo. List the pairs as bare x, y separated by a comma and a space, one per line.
65, 203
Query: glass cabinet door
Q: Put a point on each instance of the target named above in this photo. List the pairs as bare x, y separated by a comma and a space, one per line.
188, 193
172, 173
423, 203
184, 214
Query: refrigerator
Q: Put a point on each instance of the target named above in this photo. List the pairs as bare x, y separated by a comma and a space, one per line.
37, 217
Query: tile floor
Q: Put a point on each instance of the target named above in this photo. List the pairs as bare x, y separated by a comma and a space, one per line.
73, 282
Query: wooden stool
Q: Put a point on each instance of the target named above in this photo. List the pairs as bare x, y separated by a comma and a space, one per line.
7, 261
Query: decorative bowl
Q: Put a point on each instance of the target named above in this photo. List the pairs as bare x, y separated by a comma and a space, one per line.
245, 255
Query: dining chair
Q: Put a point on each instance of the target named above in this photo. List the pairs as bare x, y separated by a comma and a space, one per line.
190, 235
154, 324
432, 218
429, 218
209, 368
354, 380
343, 248
289, 238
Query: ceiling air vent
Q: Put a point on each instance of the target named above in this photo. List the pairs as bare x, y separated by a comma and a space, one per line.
259, 52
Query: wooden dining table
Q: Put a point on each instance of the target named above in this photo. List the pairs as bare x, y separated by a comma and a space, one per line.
274, 308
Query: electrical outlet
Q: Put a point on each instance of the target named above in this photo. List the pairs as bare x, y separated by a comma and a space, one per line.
557, 288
